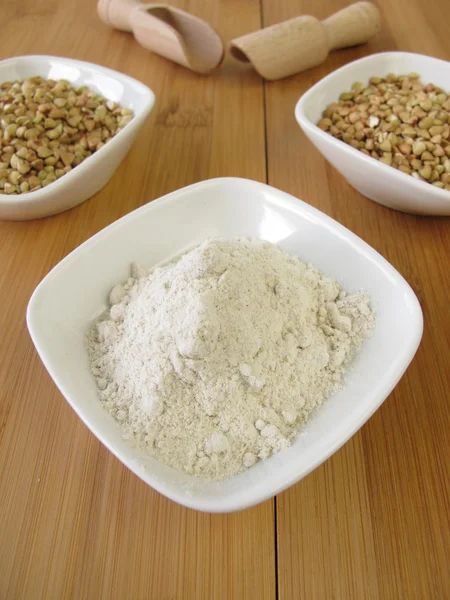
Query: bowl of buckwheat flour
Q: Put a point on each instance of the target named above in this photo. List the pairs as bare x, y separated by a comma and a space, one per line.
225, 340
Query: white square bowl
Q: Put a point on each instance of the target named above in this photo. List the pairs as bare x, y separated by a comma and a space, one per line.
93, 173
76, 290
379, 182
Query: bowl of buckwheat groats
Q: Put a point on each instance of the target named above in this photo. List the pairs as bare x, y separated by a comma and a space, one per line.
384, 123
65, 126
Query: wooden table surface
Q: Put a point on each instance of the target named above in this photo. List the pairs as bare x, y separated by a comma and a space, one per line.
373, 521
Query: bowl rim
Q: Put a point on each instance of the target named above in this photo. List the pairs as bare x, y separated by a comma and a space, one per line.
68, 178
302, 208
306, 123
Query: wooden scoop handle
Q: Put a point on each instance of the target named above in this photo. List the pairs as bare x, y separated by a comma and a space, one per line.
353, 25
117, 13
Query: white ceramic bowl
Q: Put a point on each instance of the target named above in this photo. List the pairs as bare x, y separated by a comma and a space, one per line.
373, 179
95, 172
76, 290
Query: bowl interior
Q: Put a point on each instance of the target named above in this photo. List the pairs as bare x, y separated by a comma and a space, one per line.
431, 70
110, 84
75, 292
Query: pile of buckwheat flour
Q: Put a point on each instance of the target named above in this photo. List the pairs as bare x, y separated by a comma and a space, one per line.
218, 359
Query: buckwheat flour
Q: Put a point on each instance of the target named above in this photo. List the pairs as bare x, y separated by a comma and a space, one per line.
217, 360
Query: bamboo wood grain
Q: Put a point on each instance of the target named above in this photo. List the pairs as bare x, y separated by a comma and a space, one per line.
374, 521
75, 523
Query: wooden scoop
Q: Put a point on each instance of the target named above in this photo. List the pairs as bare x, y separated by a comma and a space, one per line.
304, 42
170, 32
